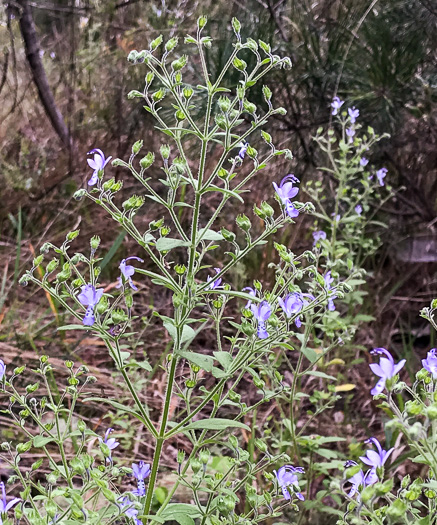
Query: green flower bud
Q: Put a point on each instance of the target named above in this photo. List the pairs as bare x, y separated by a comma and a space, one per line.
147, 161
72, 235
137, 146
171, 44
190, 383
280, 111
431, 412
188, 93
24, 447
243, 222
236, 26
180, 269
165, 151
81, 426
132, 56
77, 466
156, 43
53, 264
52, 478
267, 93
180, 457
128, 299
234, 397
201, 22
180, 63
156, 225
247, 328
195, 465
286, 63
224, 104
38, 260
30, 389
134, 94
158, 95
249, 107
261, 445
204, 456
222, 173
37, 464
63, 276
227, 235
50, 507
421, 375
267, 209
95, 242
102, 305
19, 370
164, 231
226, 505
264, 46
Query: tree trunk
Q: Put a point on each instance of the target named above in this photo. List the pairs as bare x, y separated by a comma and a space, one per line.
30, 38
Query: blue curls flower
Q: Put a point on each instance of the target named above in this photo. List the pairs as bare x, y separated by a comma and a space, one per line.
292, 304
336, 105
127, 271
111, 443
319, 236
89, 297
97, 163
328, 284
287, 479
126, 507
286, 191
386, 369
430, 363
251, 292
2, 369
353, 114
214, 283
376, 459
380, 175
243, 150
141, 472
261, 313
360, 479
364, 162
4, 505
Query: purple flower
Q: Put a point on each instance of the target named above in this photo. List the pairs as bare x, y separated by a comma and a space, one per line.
141, 472
385, 370
354, 114
350, 132
328, 284
215, 283
285, 192
358, 209
360, 479
4, 506
98, 163
127, 271
251, 292
336, 105
286, 477
292, 304
126, 507
430, 363
364, 161
89, 297
380, 175
319, 236
261, 313
243, 150
376, 459
111, 443
2, 369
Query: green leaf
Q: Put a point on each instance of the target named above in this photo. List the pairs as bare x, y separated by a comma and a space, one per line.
187, 332
73, 327
143, 364
309, 353
214, 424
183, 513
316, 373
183, 204
205, 362
230, 193
41, 441
224, 358
209, 235
166, 244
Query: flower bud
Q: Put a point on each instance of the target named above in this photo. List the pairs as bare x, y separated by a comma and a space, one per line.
147, 161
81, 426
243, 222
156, 225
195, 465
249, 107
261, 445
21, 448
180, 457
188, 92
156, 43
72, 235
132, 56
95, 242
267, 209
53, 264
204, 456
137, 146
171, 44
201, 22
267, 93
227, 235
180, 63
165, 151
30, 389
431, 412
52, 478
180, 269
158, 95
236, 26
224, 104
134, 94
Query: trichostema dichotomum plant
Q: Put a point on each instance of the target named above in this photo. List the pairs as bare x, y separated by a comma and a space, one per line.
276, 327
